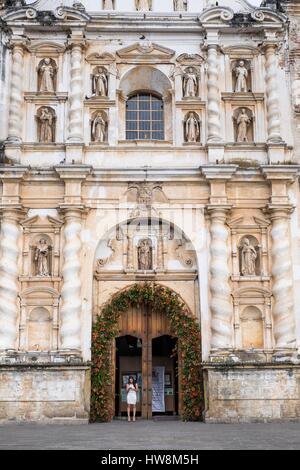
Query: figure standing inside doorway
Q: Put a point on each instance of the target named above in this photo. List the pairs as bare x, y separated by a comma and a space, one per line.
131, 389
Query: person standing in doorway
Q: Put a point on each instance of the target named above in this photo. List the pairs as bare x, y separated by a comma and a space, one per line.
131, 389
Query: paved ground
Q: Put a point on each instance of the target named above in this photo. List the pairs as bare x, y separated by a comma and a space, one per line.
150, 435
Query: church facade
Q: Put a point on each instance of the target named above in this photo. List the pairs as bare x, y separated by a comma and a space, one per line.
150, 143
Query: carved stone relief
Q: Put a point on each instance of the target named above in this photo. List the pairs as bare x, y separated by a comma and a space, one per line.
192, 128
42, 258
46, 121
47, 71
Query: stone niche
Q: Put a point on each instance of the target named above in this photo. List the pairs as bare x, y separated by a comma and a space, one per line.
252, 328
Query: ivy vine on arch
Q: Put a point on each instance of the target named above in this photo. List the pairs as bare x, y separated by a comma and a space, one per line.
183, 326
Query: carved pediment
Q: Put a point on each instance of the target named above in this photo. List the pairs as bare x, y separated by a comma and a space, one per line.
45, 48
266, 15
145, 51
47, 17
190, 59
39, 222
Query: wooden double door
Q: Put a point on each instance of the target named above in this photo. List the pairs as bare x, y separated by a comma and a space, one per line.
145, 350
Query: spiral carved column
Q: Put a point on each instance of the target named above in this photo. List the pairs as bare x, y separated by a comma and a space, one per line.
9, 254
221, 305
70, 315
273, 113
76, 113
16, 97
213, 99
283, 309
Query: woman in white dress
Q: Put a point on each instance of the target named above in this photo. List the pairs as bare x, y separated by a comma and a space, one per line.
131, 389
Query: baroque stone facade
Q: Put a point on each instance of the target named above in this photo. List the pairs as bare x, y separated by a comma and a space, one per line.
150, 154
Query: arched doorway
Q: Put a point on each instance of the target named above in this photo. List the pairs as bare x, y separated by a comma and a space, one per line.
147, 350
152, 315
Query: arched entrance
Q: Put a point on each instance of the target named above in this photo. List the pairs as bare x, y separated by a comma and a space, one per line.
147, 350
146, 312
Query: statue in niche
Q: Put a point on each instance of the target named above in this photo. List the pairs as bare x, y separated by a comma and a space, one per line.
180, 5
241, 73
100, 82
99, 128
192, 128
190, 83
41, 258
143, 5
249, 257
145, 262
46, 125
108, 4
243, 123
47, 74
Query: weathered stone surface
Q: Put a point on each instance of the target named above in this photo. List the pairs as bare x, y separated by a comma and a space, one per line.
252, 394
44, 393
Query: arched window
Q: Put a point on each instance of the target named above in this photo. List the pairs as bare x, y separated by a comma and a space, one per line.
144, 117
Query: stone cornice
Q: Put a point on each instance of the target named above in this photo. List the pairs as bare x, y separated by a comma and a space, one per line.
73, 172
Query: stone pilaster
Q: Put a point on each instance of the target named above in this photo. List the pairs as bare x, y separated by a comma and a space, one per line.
73, 213
213, 95
70, 314
283, 307
15, 118
220, 289
272, 101
221, 304
76, 94
280, 210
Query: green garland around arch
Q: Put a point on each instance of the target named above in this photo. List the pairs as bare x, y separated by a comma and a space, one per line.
185, 328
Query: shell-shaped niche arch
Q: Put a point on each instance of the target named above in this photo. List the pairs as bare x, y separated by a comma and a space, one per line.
145, 245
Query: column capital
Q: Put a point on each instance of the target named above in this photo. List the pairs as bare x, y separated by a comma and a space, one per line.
281, 211
72, 211
12, 213
76, 43
19, 43
218, 211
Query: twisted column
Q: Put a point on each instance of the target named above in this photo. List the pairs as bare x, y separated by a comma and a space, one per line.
221, 306
16, 97
75, 112
273, 113
213, 98
9, 254
283, 309
70, 315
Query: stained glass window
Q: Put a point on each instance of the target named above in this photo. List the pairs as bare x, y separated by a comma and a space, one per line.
144, 117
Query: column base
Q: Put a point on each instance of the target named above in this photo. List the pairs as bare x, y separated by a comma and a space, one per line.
276, 152
74, 152
216, 152
13, 151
